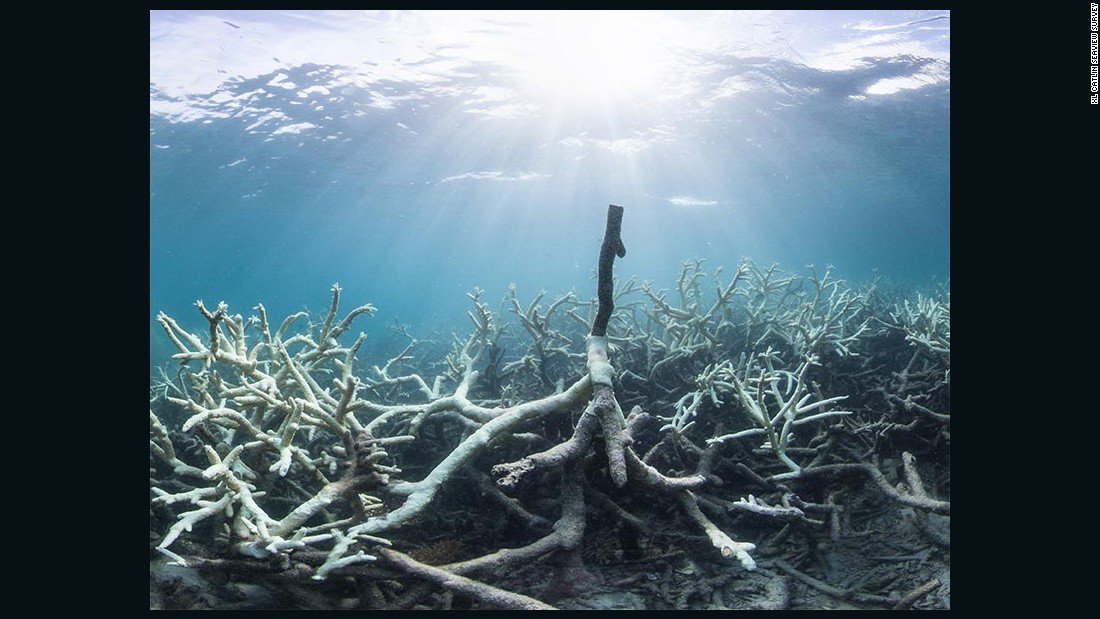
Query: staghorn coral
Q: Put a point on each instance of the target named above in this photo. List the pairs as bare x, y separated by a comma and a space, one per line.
311, 460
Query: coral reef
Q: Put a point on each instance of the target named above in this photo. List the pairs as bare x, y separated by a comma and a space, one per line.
774, 419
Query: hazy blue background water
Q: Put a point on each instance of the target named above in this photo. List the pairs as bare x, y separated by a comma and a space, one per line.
411, 156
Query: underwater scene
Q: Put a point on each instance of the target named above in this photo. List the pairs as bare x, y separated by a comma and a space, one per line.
585, 310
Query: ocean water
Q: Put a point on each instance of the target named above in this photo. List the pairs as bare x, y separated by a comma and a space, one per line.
415, 156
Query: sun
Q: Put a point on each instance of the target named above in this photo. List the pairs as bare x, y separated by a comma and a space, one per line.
587, 56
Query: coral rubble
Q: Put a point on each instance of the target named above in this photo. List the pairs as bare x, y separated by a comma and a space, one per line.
770, 415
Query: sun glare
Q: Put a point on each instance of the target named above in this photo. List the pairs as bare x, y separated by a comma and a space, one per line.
591, 55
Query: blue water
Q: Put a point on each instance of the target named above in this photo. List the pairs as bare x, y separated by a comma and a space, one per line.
413, 156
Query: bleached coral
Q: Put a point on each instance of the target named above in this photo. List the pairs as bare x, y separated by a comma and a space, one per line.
288, 448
